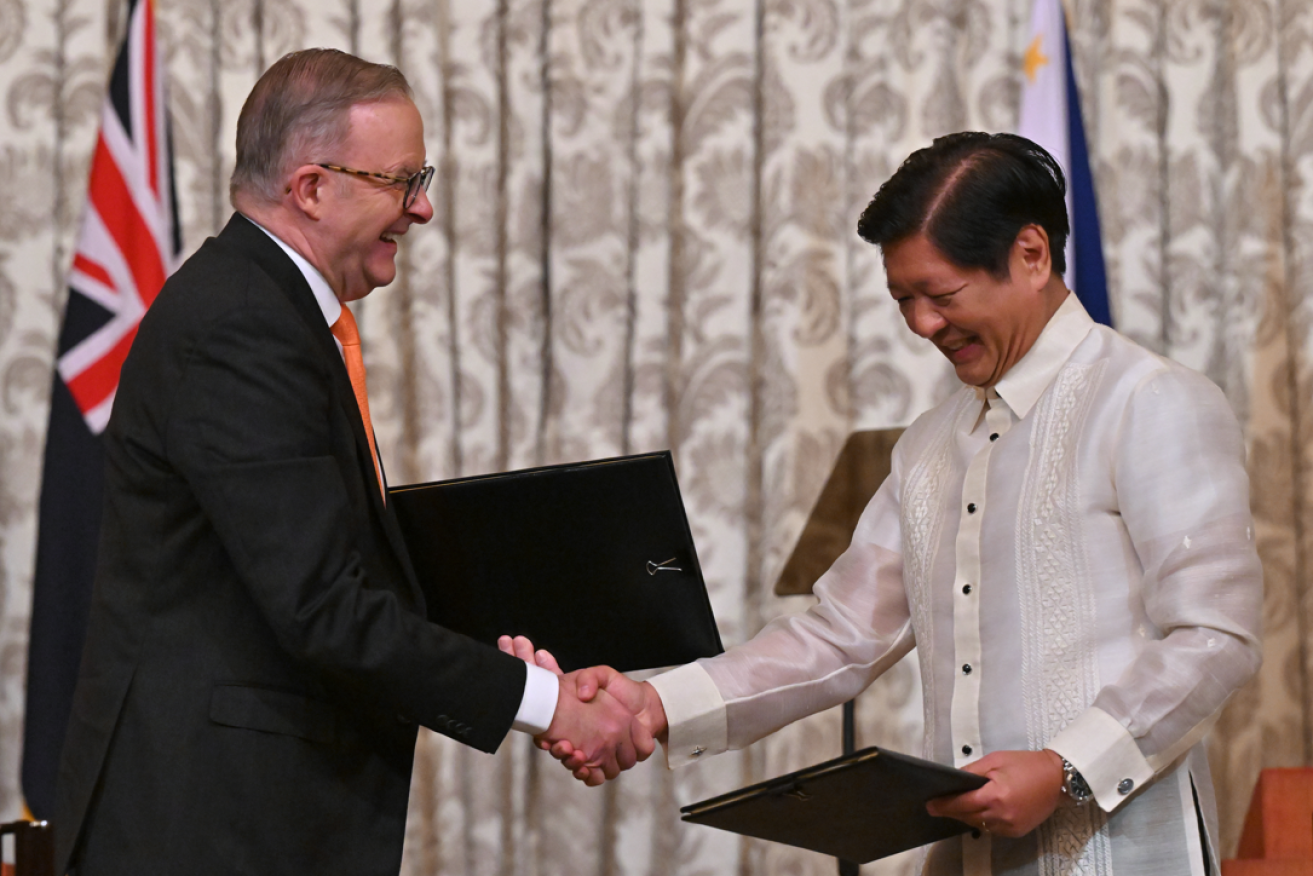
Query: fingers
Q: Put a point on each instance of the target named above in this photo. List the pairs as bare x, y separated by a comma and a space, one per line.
1024, 788
644, 742
626, 754
522, 647
547, 661
519, 646
589, 681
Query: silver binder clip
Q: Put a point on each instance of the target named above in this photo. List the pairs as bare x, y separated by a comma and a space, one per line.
663, 566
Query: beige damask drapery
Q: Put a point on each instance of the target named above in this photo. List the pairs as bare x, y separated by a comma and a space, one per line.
644, 239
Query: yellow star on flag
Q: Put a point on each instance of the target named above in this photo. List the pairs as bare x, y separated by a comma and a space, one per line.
1034, 58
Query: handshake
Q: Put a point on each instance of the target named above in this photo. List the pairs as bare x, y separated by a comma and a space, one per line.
604, 723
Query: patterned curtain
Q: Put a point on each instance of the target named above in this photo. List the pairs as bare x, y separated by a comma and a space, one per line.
644, 239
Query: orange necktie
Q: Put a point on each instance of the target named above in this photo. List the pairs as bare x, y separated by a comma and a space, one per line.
349, 336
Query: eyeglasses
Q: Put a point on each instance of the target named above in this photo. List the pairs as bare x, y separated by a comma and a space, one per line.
414, 184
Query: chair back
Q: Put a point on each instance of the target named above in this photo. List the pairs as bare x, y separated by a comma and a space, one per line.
34, 848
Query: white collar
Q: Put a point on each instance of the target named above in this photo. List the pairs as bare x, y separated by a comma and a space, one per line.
1024, 383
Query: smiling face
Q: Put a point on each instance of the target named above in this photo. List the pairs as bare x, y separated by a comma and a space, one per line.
355, 236
982, 324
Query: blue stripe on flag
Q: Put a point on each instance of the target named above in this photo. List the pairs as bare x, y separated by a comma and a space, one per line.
1088, 274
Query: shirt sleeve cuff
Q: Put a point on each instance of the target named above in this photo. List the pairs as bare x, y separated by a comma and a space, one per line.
695, 715
1106, 755
538, 705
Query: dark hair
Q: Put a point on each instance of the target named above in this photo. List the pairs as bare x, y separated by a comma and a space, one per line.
971, 194
297, 113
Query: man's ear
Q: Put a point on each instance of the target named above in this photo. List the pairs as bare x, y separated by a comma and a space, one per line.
306, 190
1031, 255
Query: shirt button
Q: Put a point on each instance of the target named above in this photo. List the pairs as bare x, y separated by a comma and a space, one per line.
1125, 786
966, 670
971, 508
966, 589
966, 749
993, 437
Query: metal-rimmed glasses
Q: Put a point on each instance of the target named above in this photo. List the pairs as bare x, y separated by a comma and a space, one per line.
414, 184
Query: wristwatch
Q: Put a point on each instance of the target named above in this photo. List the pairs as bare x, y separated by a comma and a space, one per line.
1074, 784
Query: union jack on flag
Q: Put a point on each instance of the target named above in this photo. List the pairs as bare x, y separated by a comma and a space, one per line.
128, 243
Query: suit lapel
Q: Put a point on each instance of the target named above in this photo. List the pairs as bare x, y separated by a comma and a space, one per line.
244, 235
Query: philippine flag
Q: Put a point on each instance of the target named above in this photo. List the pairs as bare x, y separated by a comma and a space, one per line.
1051, 116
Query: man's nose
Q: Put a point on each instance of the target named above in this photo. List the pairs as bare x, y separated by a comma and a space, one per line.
421, 211
923, 318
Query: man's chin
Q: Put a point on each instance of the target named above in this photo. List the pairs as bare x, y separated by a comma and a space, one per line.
973, 376
379, 279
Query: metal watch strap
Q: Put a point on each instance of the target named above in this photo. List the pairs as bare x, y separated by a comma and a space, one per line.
1074, 784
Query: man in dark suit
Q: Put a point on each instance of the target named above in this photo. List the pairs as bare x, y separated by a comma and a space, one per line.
259, 656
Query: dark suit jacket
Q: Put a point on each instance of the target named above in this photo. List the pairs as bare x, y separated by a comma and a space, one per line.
258, 655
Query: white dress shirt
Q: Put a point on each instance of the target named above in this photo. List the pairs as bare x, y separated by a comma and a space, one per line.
538, 704
1071, 554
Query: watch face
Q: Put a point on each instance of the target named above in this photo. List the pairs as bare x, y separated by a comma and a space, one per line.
1074, 784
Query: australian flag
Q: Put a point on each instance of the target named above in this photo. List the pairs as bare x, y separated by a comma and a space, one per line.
128, 244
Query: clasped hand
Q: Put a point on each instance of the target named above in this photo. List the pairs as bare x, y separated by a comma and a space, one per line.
1024, 788
604, 723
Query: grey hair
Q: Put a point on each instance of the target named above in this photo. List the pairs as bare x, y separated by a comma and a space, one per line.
298, 113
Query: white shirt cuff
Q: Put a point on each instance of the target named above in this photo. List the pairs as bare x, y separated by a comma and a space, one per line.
1106, 755
538, 705
695, 715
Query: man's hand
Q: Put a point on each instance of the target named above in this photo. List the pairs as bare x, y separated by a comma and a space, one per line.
641, 699
1024, 788
602, 735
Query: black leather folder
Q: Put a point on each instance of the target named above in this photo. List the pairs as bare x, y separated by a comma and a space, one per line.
860, 807
593, 561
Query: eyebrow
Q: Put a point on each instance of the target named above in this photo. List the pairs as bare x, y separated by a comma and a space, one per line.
923, 288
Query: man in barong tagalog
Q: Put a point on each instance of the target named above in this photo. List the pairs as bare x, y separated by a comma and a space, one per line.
1066, 541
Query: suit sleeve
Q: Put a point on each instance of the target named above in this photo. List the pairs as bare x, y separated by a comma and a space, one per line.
259, 435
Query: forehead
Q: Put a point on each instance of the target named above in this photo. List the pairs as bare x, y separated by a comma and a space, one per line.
387, 134
914, 263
